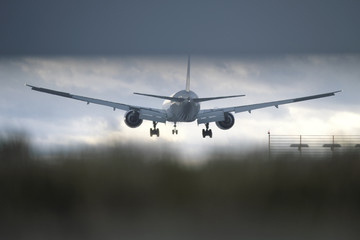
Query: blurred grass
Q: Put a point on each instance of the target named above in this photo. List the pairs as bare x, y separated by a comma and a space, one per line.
130, 192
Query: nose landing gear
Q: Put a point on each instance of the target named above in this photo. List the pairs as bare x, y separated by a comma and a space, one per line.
154, 131
174, 131
207, 131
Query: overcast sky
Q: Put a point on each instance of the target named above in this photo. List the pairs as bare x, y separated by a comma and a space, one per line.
54, 121
268, 50
172, 26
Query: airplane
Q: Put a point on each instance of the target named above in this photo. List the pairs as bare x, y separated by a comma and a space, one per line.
182, 106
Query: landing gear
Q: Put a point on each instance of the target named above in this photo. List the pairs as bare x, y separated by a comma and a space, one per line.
154, 131
174, 131
207, 131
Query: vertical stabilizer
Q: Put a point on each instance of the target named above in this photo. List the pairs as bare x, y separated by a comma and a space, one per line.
188, 75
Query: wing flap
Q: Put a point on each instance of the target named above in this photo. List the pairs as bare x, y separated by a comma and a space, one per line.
84, 99
281, 102
114, 105
260, 105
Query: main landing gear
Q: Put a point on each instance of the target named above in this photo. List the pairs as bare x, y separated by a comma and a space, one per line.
174, 131
154, 131
207, 132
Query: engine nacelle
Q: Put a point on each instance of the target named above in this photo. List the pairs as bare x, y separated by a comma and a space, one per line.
132, 119
227, 123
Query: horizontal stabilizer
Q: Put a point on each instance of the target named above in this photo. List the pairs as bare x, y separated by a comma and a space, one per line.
175, 99
215, 98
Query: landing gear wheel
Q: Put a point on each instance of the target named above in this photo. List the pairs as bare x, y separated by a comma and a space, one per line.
174, 131
207, 131
157, 132
154, 131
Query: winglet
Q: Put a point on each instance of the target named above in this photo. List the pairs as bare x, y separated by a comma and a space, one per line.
188, 75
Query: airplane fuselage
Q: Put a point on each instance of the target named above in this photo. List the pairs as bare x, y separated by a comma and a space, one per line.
185, 111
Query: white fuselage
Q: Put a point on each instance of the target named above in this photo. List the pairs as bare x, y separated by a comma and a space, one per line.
185, 111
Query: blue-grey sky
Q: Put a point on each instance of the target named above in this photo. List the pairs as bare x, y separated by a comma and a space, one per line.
173, 27
53, 121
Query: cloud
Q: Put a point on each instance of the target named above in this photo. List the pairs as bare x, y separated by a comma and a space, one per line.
60, 121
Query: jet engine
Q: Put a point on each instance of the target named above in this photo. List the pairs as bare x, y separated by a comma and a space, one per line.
227, 123
132, 119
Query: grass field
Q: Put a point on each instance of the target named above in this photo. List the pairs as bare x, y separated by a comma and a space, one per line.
128, 192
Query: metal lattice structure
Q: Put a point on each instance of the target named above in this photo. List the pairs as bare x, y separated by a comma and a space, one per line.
314, 145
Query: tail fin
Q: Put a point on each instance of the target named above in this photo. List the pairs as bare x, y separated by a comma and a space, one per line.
188, 75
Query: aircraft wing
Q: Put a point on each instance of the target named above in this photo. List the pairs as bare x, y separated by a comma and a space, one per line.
151, 114
217, 114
